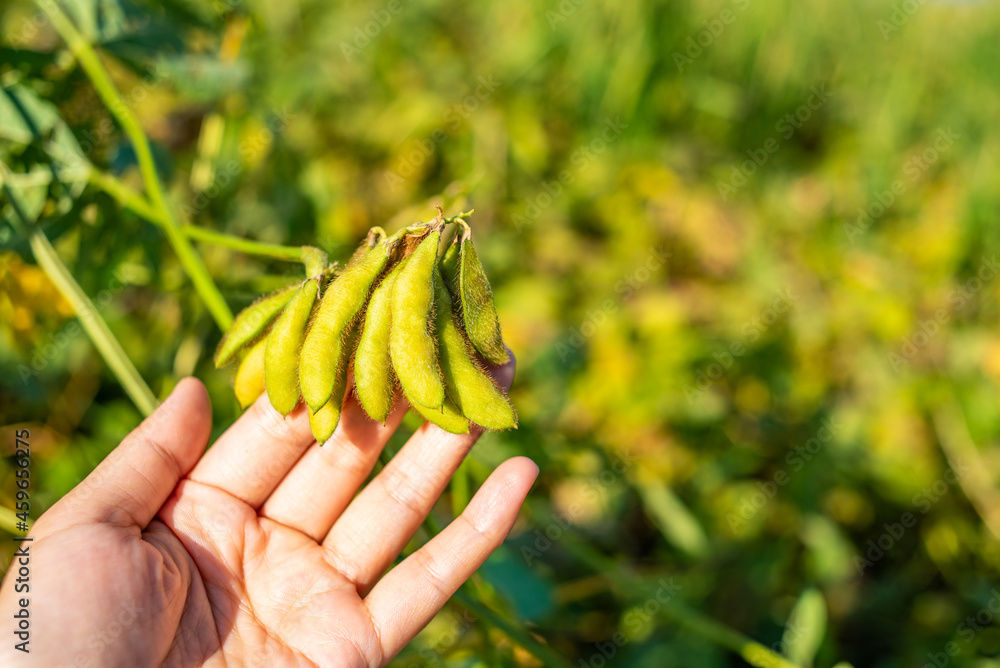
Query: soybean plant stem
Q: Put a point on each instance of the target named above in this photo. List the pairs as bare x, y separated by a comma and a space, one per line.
291, 253
139, 206
95, 70
90, 318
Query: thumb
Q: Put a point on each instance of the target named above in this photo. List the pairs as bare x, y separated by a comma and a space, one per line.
133, 482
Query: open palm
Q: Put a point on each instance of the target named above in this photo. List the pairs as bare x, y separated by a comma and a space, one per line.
256, 552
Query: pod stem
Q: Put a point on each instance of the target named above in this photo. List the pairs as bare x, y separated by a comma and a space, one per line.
137, 204
315, 260
466, 230
459, 219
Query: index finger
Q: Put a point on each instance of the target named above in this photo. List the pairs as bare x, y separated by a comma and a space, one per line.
254, 454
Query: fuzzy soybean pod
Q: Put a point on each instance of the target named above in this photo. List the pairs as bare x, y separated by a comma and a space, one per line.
467, 280
324, 421
412, 347
249, 382
250, 322
450, 262
448, 417
373, 375
323, 350
474, 393
281, 356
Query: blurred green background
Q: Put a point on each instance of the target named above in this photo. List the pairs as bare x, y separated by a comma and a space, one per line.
744, 250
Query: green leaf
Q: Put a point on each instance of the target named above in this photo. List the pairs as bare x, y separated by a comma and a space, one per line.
24, 116
673, 519
29, 192
530, 595
98, 20
806, 628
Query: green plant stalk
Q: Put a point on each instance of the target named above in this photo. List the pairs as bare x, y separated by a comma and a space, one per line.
124, 195
958, 447
290, 253
104, 340
93, 324
314, 259
99, 76
138, 205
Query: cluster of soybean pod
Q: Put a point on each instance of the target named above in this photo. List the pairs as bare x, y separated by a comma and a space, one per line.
399, 317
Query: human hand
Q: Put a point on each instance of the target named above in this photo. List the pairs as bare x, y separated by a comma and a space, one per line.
256, 552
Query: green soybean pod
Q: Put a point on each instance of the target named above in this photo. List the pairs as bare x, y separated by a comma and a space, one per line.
282, 353
479, 312
412, 347
475, 394
373, 376
450, 262
249, 382
250, 322
323, 349
448, 417
323, 422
